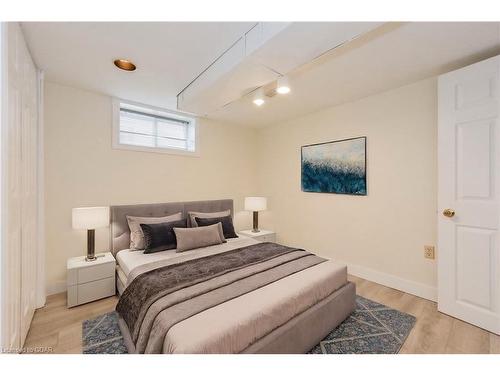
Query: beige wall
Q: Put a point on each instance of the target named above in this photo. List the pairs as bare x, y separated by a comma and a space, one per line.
382, 234
81, 169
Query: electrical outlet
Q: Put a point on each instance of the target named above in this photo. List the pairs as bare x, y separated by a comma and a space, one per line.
429, 252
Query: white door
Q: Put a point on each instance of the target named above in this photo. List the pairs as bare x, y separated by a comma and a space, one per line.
469, 191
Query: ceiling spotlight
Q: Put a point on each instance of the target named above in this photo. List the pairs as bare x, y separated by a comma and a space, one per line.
258, 102
126, 65
258, 98
283, 87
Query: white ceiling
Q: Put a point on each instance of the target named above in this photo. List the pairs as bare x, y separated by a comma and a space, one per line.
391, 56
170, 55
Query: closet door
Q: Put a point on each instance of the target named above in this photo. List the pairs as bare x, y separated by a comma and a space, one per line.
19, 268
13, 198
29, 147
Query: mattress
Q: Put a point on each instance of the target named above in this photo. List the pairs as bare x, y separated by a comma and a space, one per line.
121, 279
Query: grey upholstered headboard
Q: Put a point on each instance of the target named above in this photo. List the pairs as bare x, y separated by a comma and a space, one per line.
120, 233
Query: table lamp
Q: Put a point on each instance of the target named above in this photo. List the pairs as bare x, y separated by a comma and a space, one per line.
255, 204
90, 218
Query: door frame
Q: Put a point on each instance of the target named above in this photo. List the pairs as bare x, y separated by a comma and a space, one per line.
3, 121
41, 293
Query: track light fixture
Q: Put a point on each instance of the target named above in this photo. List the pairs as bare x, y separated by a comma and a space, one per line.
258, 98
283, 86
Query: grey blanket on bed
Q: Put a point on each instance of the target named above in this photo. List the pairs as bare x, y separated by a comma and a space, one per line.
158, 299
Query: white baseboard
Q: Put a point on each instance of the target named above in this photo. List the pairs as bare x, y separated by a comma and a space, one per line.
395, 282
55, 288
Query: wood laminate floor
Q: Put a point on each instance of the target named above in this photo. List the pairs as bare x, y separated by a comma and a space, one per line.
60, 328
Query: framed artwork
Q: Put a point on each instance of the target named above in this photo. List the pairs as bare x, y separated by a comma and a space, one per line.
335, 167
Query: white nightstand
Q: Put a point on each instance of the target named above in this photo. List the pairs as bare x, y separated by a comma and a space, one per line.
89, 281
262, 236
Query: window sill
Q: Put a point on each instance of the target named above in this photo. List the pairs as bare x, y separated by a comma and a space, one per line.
168, 151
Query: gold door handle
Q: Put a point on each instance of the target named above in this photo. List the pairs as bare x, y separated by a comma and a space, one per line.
449, 212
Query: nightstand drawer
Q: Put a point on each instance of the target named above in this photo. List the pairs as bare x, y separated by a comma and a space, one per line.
88, 292
97, 272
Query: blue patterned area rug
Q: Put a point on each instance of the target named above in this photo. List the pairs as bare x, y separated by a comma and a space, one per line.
102, 335
371, 329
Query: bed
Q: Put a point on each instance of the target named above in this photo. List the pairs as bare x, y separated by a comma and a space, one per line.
241, 296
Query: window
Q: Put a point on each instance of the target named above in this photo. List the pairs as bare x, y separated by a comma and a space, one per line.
146, 128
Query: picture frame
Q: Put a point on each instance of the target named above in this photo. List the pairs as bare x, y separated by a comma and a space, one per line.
336, 167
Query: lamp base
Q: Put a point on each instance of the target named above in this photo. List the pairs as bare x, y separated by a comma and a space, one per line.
255, 222
95, 257
90, 246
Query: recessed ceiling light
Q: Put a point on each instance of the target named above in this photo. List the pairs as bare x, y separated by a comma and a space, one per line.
123, 64
258, 99
283, 87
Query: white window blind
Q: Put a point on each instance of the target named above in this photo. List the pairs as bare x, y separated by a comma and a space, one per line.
155, 129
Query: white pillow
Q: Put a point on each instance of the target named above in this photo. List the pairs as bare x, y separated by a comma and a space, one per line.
136, 234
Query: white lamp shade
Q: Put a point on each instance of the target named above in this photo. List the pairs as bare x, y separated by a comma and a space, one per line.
90, 217
255, 203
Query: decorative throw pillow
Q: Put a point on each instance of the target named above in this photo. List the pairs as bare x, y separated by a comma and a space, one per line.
160, 237
136, 235
226, 221
194, 238
193, 215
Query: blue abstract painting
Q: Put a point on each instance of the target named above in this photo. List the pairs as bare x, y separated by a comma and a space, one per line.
335, 167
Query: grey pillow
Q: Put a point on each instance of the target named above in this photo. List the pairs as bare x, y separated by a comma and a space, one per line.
226, 221
193, 215
194, 238
136, 234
